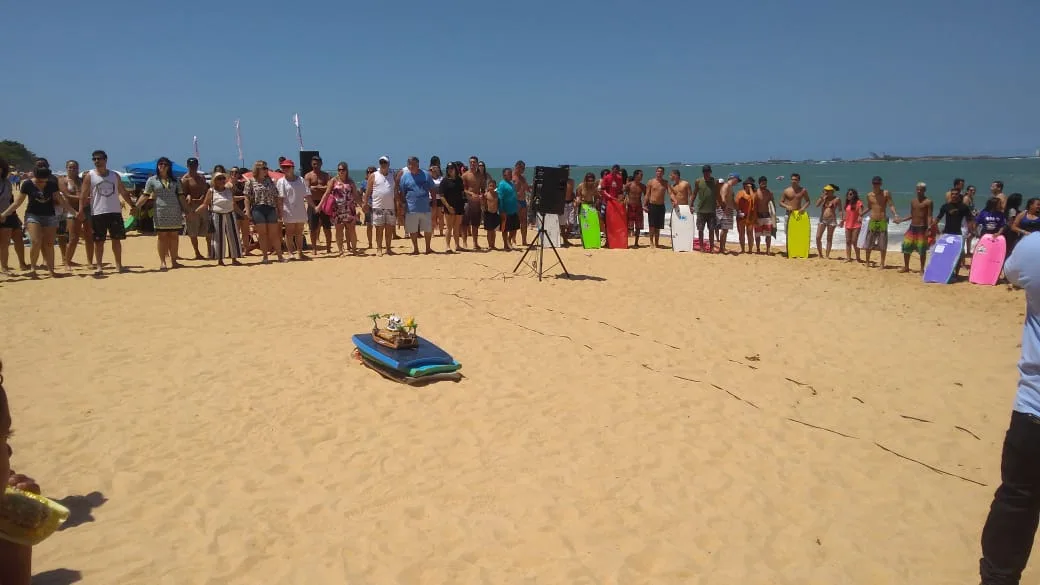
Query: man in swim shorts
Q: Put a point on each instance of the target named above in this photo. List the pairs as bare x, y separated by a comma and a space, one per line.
916, 238
763, 216
794, 198
726, 209
879, 201
634, 191
473, 182
196, 225
655, 192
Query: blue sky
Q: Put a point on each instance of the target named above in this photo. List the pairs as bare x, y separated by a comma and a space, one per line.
565, 81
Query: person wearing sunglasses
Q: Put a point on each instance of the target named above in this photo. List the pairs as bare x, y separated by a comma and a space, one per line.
71, 187
318, 221
41, 218
262, 206
105, 189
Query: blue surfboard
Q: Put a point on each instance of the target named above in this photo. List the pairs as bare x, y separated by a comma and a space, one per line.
402, 360
943, 259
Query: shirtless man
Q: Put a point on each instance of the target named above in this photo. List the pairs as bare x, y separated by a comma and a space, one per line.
566, 221
916, 238
195, 187
473, 182
70, 187
655, 191
879, 201
633, 199
763, 215
794, 198
958, 187
317, 181
997, 189
522, 189
727, 207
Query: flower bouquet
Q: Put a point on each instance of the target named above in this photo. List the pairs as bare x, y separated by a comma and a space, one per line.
398, 333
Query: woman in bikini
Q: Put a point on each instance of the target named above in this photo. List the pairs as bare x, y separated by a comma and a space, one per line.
829, 211
1028, 221
853, 215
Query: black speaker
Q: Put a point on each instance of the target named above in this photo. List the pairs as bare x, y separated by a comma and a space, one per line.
550, 185
305, 161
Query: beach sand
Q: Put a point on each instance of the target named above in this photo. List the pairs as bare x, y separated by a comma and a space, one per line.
662, 418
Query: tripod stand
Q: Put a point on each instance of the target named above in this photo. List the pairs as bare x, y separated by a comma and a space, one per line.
539, 242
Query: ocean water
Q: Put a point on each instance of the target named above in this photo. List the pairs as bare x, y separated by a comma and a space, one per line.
900, 178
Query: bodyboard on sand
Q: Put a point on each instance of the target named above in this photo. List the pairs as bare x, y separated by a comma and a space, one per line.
397, 376
617, 225
943, 259
402, 360
772, 216
988, 260
798, 234
588, 222
552, 228
129, 223
682, 229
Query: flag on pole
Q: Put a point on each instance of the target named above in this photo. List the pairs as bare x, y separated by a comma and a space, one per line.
238, 143
299, 135
195, 145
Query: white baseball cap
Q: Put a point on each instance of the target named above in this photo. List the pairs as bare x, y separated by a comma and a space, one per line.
384, 158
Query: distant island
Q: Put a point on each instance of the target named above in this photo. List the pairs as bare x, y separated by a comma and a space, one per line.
872, 157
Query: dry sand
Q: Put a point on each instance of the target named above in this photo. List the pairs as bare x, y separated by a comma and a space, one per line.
661, 419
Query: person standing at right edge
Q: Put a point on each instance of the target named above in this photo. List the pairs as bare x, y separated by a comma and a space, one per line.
103, 186
1007, 537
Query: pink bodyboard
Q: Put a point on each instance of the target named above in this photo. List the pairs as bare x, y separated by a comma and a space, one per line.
988, 260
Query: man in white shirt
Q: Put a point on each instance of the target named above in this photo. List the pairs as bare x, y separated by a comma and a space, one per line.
294, 199
382, 192
101, 186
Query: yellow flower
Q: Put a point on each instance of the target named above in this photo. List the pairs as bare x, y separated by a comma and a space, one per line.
410, 323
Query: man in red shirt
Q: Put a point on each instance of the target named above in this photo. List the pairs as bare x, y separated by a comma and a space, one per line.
612, 184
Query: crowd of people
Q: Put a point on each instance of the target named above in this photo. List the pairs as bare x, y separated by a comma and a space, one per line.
234, 213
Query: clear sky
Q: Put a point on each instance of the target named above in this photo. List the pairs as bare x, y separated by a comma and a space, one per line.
549, 81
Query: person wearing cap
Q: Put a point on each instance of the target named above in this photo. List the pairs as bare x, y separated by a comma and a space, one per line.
706, 193
916, 237
220, 204
382, 193
294, 197
164, 192
317, 220
195, 187
416, 185
830, 209
726, 210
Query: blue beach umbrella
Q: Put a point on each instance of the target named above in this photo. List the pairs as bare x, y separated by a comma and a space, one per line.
138, 173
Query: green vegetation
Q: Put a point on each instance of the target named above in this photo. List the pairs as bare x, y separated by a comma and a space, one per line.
17, 155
